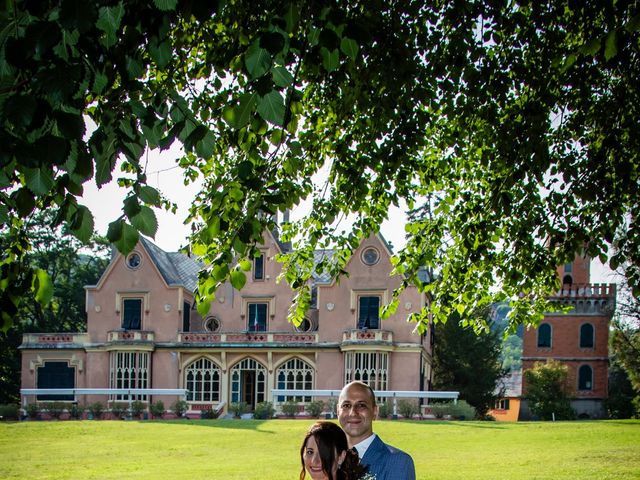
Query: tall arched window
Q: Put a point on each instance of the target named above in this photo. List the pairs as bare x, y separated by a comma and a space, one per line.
585, 378
295, 374
544, 336
248, 382
202, 380
586, 336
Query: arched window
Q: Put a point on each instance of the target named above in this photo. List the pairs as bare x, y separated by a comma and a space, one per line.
544, 336
586, 336
248, 382
295, 374
202, 380
585, 378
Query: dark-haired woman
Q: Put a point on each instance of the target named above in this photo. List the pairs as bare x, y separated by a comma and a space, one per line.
325, 455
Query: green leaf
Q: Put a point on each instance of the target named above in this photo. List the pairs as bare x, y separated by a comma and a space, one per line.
271, 108
103, 150
195, 136
42, 286
4, 214
219, 272
238, 116
114, 232
330, 59
70, 125
610, 46
83, 224
165, 5
245, 264
128, 239
25, 201
257, 60
591, 48
349, 47
291, 16
238, 279
633, 25
206, 146
203, 307
109, 19
131, 206
20, 109
38, 180
100, 82
314, 36
146, 222
161, 52
135, 68
150, 195
281, 76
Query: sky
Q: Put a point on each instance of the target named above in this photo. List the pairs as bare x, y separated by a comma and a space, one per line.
164, 174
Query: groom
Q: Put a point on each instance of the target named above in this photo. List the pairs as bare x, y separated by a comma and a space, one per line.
356, 410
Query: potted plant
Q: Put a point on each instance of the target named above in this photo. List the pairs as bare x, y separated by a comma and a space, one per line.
157, 409
179, 408
96, 409
137, 408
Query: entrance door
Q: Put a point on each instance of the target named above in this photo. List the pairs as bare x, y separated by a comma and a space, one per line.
248, 382
248, 386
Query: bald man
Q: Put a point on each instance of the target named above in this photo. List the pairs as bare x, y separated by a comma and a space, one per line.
357, 409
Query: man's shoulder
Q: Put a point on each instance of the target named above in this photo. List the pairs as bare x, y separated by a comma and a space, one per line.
391, 449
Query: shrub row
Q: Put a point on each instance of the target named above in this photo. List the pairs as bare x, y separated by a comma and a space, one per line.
119, 410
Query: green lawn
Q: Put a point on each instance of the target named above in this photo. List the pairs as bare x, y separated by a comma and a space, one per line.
251, 449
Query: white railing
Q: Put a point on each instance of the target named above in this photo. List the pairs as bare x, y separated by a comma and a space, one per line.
130, 392
393, 394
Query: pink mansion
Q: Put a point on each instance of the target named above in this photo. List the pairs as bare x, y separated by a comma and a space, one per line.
143, 331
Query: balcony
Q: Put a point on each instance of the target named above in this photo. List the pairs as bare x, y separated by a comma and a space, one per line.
356, 336
54, 340
587, 290
587, 299
123, 336
251, 338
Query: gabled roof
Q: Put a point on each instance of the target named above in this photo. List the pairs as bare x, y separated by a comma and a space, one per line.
319, 255
177, 269
510, 385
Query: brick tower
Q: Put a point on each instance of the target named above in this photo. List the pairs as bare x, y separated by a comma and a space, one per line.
579, 338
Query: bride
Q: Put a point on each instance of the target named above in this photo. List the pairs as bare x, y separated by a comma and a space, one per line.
325, 455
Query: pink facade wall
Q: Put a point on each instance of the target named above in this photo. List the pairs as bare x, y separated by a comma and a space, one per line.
172, 351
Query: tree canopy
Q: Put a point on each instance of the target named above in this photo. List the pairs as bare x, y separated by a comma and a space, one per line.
469, 363
511, 123
70, 265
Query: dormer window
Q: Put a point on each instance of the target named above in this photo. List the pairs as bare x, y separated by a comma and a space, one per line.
258, 267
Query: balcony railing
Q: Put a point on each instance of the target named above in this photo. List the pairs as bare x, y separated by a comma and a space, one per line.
248, 337
130, 336
587, 290
367, 336
54, 339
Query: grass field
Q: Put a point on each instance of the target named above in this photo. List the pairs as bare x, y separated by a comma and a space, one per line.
252, 449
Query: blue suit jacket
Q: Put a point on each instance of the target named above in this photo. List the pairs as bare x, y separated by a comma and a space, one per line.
387, 462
